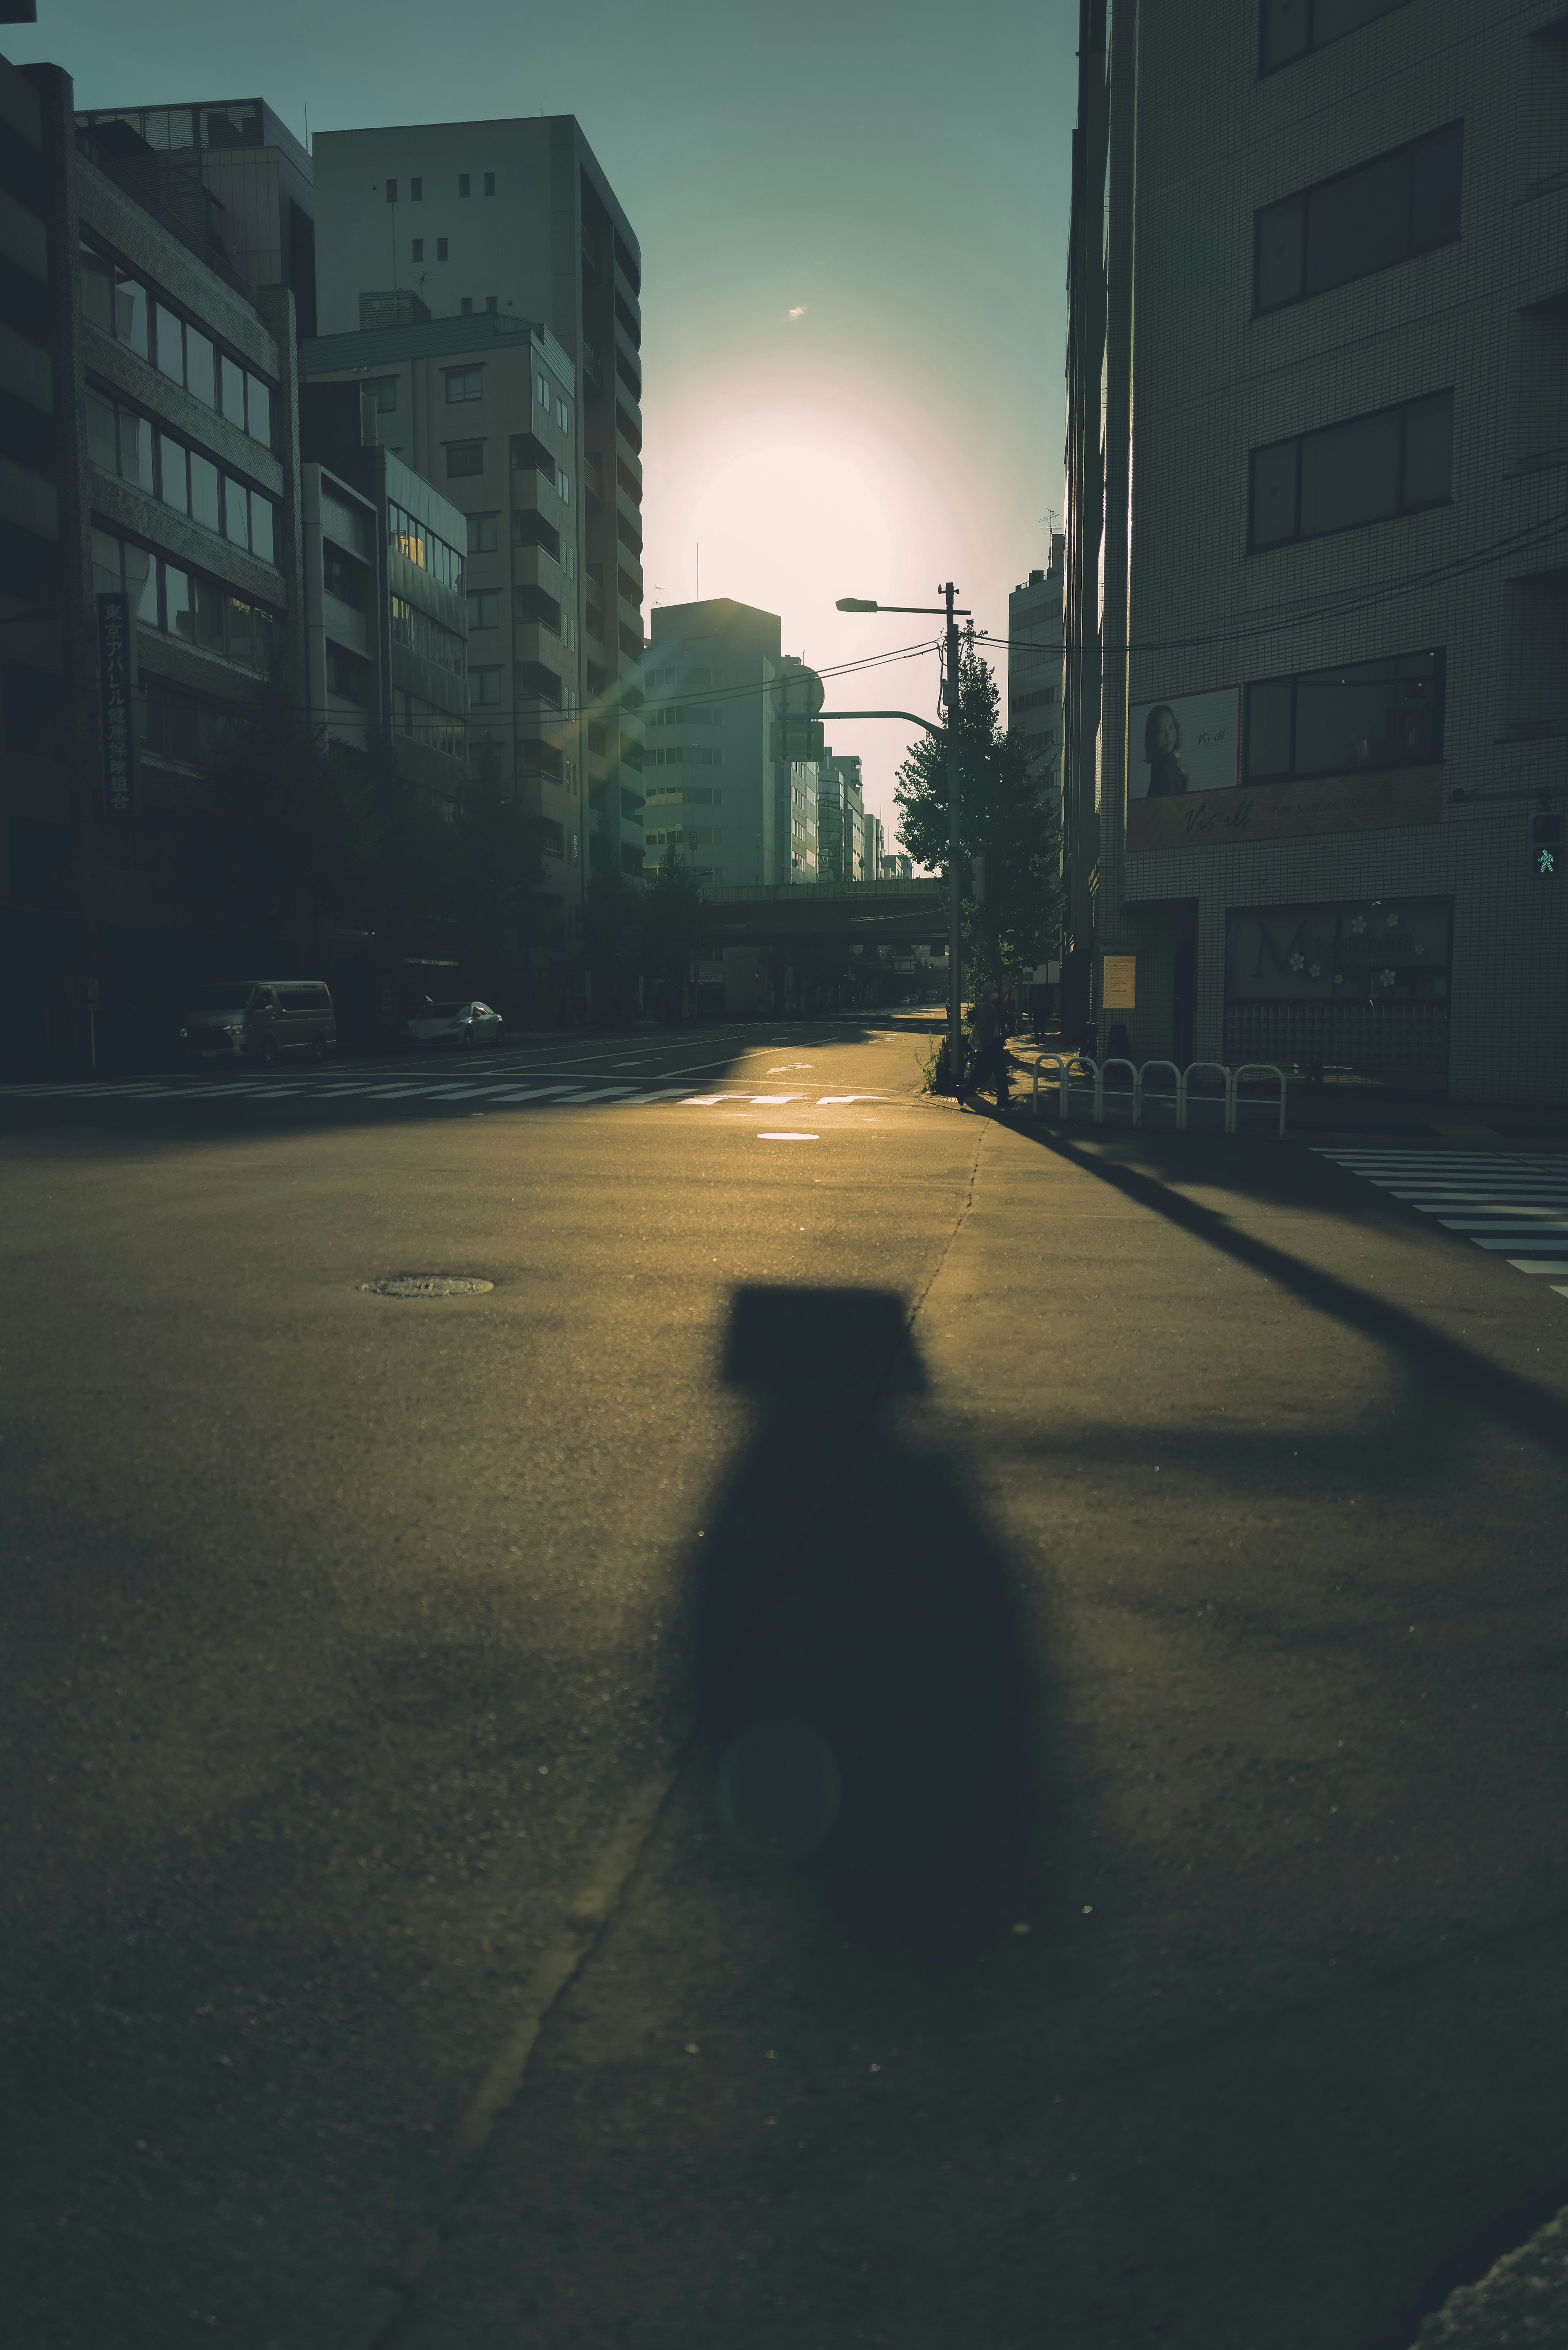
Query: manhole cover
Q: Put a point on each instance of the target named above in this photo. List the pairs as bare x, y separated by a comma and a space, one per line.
427, 1285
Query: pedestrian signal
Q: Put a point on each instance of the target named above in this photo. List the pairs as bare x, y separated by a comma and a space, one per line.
1546, 846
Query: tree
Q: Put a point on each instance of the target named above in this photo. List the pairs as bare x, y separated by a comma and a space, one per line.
1004, 818
671, 924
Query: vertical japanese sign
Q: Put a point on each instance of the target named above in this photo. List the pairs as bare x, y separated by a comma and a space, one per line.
114, 688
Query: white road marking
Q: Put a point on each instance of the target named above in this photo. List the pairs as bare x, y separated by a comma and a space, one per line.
789, 1137
1494, 1199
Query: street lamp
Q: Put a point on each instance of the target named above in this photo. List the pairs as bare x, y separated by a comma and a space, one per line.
952, 617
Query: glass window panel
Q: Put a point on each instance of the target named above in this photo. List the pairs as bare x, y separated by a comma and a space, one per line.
260, 526
1269, 728
205, 506
1435, 170
242, 632
1345, 720
261, 637
106, 580
207, 615
236, 512
232, 386
177, 602
141, 584
171, 345
1358, 223
130, 312
180, 133
103, 446
258, 422
199, 375
1279, 272
98, 289
174, 474
1274, 493
1429, 450
1350, 473
136, 449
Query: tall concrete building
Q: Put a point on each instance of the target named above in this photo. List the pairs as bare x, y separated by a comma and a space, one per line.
235, 154
482, 245
723, 786
841, 820
1315, 747
148, 524
1035, 676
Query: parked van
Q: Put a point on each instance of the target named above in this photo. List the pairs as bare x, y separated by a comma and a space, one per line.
260, 1019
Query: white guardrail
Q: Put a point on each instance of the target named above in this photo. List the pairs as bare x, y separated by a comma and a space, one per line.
1077, 1074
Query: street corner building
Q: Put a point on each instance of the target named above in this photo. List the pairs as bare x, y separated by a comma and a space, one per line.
1315, 603
154, 265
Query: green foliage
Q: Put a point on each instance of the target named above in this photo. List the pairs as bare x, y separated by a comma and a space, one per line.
1003, 818
937, 1069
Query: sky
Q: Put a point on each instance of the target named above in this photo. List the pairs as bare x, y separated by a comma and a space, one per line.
854, 225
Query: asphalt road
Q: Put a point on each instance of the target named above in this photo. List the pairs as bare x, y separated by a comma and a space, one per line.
925, 1734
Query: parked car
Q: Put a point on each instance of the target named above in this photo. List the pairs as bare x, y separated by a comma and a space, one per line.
259, 1020
464, 1026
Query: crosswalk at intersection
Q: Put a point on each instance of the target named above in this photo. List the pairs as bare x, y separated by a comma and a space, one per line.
1512, 1205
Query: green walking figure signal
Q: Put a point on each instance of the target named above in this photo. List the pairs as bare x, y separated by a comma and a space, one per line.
1546, 846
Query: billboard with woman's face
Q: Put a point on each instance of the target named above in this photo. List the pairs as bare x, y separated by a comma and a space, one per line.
1189, 744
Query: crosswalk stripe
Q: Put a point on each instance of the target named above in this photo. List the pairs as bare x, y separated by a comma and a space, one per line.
1496, 1201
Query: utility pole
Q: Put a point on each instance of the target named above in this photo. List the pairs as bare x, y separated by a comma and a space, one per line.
955, 984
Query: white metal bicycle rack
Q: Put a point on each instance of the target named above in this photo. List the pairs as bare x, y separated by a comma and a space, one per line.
1071, 1070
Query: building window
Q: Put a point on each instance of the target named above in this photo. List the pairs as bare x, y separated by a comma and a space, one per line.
441, 248
419, 248
484, 533
483, 608
492, 303
464, 383
468, 306
1401, 204
465, 457
381, 396
1288, 30
1366, 715
463, 186
1396, 461
490, 183
345, 675
416, 192
391, 192
484, 689
542, 391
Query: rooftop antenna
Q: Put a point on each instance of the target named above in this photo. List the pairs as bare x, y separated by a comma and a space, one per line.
659, 587
1048, 521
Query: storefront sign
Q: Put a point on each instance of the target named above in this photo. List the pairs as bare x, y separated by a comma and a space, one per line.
1277, 811
114, 690
1184, 745
1378, 950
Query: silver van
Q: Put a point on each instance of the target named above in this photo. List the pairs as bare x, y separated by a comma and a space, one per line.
260, 1019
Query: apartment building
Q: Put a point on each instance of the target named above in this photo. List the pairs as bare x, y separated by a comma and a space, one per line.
498, 250
840, 820
485, 411
724, 785
871, 841
151, 509
1034, 669
237, 154
1314, 746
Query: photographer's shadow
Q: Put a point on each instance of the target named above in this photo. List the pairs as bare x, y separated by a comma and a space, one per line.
874, 1715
